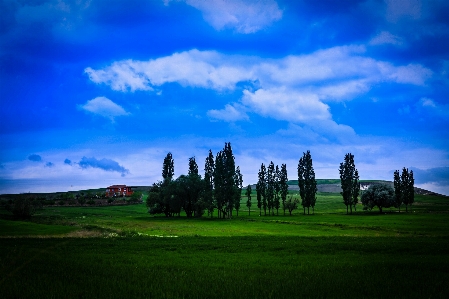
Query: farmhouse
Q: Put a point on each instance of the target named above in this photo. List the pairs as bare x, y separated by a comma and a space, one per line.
119, 190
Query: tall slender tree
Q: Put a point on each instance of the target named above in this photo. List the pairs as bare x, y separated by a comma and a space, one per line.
270, 187
248, 201
277, 189
307, 182
397, 190
261, 189
193, 167
224, 181
283, 186
238, 183
168, 167
209, 169
407, 187
349, 179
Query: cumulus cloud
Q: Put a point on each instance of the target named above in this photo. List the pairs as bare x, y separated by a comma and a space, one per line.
287, 105
68, 162
243, 16
104, 164
35, 158
230, 113
292, 88
104, 107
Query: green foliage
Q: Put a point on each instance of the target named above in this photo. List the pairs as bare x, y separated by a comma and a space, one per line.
168, 167
248, 201
307, 182
209, 169
407, 187
23, 206
349, 178
261, 189
283, 185
291, 204
379, 195
136, 196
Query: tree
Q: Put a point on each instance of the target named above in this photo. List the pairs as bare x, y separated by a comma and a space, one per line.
397, 190
168, 167
407, 187
261, 190
277, 189
24, 206
270, 187
349, 181
306, 182
283, 186
238, 181
291, 204
379, 195
248, 201
193, 167
225, 181
209, 169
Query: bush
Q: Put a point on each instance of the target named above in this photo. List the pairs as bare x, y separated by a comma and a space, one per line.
91, 202
61, 202
23, 207
110, 200
81, 200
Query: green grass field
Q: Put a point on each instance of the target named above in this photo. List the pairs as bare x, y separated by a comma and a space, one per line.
122, 251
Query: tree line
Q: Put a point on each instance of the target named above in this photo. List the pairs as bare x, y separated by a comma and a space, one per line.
221, 188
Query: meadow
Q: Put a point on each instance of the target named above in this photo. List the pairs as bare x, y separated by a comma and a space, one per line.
122, 251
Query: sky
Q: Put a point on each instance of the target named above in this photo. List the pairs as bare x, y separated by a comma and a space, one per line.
95, 93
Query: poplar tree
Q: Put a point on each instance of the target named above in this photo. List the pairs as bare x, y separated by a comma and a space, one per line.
248, 201
209, 169
283, 186
168, 167
238, 183
277, 189
270, 187
407, 187
397, 190
225, 180
193, 167
261, 189
349, 181
307, 182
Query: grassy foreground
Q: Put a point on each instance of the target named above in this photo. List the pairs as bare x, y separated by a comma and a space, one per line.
116, 252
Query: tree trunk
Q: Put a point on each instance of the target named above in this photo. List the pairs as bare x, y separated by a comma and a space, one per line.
249, 212
347, 212
380, 210
304, 210
308, 211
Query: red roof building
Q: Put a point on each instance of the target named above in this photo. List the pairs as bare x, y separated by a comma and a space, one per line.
118, 190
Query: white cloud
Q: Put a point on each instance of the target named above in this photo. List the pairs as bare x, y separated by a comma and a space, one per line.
386, 37
291, 88
230, 113
244, 16
104, 107
283, 104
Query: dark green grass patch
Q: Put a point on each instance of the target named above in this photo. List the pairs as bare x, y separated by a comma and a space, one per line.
235, 267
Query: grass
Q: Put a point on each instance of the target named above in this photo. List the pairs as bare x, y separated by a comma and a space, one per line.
325, 255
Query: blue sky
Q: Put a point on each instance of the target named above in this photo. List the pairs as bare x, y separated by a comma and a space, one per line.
95, 93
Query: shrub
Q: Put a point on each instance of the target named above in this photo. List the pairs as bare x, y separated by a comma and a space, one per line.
91, 202
23, 207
